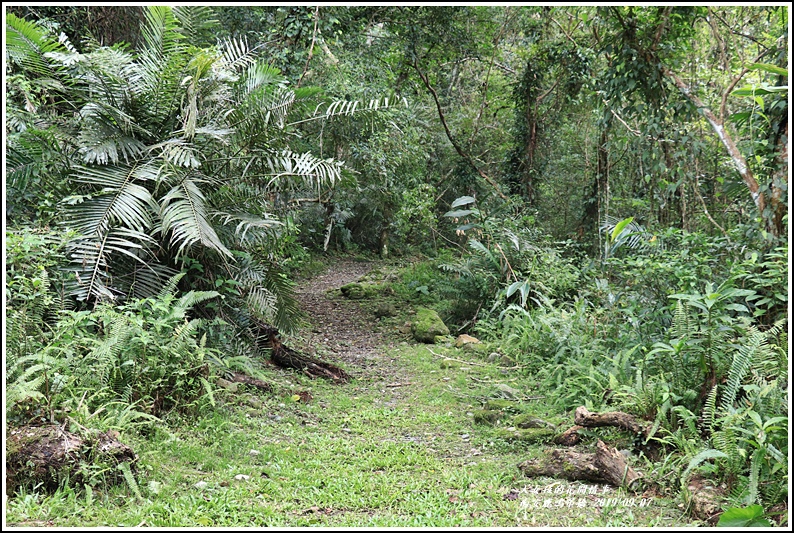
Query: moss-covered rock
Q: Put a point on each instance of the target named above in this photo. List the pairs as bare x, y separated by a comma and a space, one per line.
385, 309
502, 405
487, 416
478, 348
354, 291
449, 363
528, 421
47, 456
427, 326
506, 360
529, 436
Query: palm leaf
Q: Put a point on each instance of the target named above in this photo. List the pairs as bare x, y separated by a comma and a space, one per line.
90, 257
121, 200
26, 44
312, 171
183, 213
196, 22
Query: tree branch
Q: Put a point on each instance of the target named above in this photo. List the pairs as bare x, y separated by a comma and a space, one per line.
452, 140
738, 159
311, 46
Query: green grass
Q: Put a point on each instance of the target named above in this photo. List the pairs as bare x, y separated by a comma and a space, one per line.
360, 454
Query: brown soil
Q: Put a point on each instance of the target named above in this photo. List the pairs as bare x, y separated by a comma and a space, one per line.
341, 330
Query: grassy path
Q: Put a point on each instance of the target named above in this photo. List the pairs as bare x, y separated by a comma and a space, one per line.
394, 447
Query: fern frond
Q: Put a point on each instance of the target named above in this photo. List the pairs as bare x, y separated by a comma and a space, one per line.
710, 408
699, 458
189, 299
743, 359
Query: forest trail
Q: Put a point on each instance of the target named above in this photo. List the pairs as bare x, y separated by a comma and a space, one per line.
340, 325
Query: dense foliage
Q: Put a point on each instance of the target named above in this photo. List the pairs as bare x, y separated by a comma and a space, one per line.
599, 192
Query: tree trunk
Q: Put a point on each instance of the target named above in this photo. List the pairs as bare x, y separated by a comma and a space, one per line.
48, 455
286, 357
736, 156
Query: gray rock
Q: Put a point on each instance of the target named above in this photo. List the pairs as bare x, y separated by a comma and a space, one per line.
508, 392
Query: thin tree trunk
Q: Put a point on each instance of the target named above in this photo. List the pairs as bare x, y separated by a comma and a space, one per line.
727, 141
452, 140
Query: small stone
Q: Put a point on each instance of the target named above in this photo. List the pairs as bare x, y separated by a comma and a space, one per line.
253, 453
256, 403
506, 360
242, 477
527, 421
465, 339
226, 384
493, 357
508, 391
201, 485
385, 310
465, 436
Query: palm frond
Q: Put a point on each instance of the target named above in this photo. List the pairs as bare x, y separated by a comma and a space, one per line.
236, 54
90, 257
161, 32
107, 133
120, 200
349, 108
184, 214
178, 152
311, 171
196, 22
259, 227
26, 44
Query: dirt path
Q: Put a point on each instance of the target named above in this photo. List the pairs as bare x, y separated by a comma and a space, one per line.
339, 326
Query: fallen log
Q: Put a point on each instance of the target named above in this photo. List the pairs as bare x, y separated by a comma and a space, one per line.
625, 421
239, 377
570, 437
607, 465
46, 456
583, 417
286, 357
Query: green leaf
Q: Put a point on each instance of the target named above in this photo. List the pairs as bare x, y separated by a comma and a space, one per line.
463, 200
766, 67
751, 516
459, 214
619, 227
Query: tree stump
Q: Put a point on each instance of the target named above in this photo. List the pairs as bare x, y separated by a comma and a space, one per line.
607, 465
47, 455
